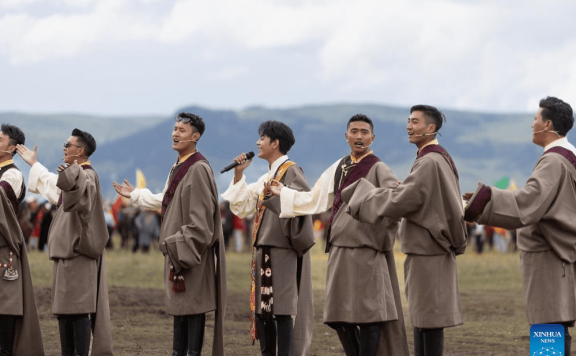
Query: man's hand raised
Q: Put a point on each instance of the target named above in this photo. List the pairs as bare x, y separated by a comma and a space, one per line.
27, 155
124, 189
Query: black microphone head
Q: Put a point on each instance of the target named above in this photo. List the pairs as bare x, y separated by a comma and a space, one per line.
249, 155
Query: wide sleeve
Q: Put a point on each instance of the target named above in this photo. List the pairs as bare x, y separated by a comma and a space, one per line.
299, 229
144, 198
186, 247
78, 189
243, 196
315, 201
40, 181
369, 204
526, 206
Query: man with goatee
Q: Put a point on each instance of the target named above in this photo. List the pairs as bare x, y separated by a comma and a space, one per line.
76, 242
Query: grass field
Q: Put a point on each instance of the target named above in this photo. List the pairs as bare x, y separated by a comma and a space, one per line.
490, 287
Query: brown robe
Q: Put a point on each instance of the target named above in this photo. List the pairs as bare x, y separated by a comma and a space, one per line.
191, 239
18, 296
431, 233
544, 212
289, 239
76, 242
361, 279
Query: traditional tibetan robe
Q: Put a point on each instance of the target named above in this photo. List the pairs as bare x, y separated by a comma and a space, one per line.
17, 295
192, 242
76, 242
289, 240
432, 232
361, 281
544, 212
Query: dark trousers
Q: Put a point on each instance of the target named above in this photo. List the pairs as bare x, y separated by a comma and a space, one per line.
358, 339
188, 335
7, 325
428, 342
75, 331
277, 326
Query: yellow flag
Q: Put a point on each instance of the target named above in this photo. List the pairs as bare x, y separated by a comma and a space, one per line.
140, 180
512, 185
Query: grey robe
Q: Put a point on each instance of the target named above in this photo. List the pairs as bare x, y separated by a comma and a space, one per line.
544, 212
431, 233
76, 242
361, 279
289, 239
18, 296
191, 239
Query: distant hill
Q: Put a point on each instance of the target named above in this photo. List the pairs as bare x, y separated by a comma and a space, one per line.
485, 146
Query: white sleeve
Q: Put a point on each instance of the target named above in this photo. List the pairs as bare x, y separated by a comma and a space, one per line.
14, 178
144, 198
243, 197
318, 200
40, 181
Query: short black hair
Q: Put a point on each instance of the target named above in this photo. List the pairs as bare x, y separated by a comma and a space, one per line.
559, 112
277, 130
194, 120
85, 140
360, 117
15, 135
430, 113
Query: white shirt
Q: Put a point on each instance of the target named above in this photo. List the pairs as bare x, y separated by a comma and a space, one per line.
144, 198
318, 200
243, 197
561, 142
15, 178
41, 181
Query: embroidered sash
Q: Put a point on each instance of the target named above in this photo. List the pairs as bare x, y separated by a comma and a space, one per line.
266, 263
177, 279
86, 166
442, 151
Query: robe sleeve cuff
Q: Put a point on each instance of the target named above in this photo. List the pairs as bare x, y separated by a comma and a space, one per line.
287, 196
233, 189
135, 196
477, 203
34, 177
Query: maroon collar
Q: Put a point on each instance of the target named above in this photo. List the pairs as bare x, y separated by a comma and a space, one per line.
359, 171
564, 153
182, 170
442, 151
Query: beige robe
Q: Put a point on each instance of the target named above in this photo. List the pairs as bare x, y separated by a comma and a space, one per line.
76, 242
18, 296
544, 212
431, 233
191, 239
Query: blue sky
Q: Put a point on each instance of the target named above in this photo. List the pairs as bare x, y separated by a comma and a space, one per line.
135, 57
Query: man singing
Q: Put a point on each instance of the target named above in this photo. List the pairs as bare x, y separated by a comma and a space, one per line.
191, 240
76, 242
281, 274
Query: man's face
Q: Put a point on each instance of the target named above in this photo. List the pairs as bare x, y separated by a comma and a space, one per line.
359, 136
537, 127
266, 149
5, 146
417, 126
183, 137
73, 152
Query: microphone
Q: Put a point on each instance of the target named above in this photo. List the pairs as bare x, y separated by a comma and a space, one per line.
537, 132
73, 156
6, 151
187, 141
428, 134
249, 156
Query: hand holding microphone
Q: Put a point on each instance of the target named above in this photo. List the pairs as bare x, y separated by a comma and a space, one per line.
240, 163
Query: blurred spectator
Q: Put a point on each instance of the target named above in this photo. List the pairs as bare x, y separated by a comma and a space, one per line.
238, 233
110, 224
478, 233
134, 230
227, 219
148, 229
50, 211
37, 212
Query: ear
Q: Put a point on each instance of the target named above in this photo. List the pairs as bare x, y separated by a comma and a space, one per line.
433, 126
276, 144
346, 136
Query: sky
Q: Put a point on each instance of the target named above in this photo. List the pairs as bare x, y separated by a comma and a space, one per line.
136, 57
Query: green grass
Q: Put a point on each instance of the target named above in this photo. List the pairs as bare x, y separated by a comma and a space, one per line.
490, 287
